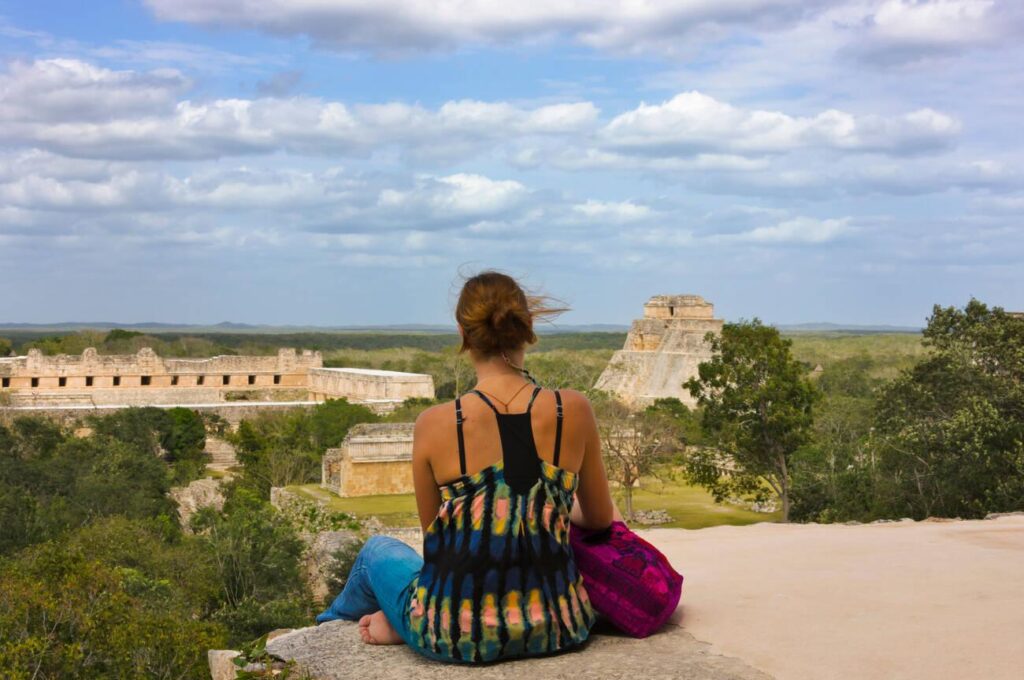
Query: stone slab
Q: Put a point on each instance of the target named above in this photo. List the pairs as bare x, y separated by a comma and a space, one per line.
334, 651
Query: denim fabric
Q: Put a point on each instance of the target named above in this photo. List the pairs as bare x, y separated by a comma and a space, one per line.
380, 580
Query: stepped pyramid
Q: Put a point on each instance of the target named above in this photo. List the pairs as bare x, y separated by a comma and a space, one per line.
662, 351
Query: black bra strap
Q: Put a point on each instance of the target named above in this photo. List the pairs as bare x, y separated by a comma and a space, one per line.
462, 442
558, 426
486, 400
536, 391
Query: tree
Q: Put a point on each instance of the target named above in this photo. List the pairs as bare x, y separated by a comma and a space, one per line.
456, 375
409, 410
115, 599
686, 420
834, 476
633, 443
257, 557
756, 410
177, 435
278, 449
331, 421
951, 429
51, 481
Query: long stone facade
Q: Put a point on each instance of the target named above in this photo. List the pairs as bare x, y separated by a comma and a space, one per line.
368, 384
374, 458
662, 351
145, 379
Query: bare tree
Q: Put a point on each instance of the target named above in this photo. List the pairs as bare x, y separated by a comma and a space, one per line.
633, 443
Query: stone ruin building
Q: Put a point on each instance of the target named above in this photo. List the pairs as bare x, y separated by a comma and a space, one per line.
374, 458
662, 351
37, 381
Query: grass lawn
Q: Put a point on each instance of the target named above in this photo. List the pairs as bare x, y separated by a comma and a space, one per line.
690, 507
397, 510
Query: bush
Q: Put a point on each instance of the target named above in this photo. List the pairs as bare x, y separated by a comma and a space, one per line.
258, 565
64, 612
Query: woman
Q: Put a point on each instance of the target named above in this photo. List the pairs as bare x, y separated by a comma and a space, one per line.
495, 473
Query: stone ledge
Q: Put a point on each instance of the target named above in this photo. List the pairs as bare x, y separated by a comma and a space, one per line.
333, 651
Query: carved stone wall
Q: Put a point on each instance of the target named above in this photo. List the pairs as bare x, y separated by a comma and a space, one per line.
662, 350
145, 379
365, 384
374, 459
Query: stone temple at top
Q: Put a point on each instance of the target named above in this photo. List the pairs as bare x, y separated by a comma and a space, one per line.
662, 351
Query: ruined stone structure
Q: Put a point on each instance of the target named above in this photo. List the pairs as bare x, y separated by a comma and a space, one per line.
374, 458
662, 351
145, 379
369, 385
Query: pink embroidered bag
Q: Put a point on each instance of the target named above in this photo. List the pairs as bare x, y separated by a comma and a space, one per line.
630, 582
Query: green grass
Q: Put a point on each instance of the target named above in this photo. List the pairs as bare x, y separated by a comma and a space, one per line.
397, 510
690, 507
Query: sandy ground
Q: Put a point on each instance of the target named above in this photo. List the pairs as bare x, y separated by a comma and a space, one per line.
928, 600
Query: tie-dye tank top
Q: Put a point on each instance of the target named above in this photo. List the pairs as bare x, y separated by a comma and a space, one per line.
499, 579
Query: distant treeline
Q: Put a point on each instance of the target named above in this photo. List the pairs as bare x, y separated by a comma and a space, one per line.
119, 341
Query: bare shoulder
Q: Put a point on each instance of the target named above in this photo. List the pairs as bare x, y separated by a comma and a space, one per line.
575, 402
427, 429
429, 419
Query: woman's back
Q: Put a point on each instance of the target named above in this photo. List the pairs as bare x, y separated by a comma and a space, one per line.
499, 579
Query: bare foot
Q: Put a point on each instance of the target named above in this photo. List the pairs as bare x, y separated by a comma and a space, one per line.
375, 629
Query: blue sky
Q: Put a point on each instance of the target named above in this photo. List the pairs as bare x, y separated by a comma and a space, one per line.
343, 162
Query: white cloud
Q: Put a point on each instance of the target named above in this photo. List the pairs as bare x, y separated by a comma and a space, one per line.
54, 90
461, 196
615, 211
75, 108
390, 26
905, 30
807, 230
692, 122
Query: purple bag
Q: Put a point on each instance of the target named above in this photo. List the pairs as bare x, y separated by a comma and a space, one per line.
629, 581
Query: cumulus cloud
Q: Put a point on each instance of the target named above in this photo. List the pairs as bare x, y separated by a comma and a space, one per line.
692, 122
53, 195
460, 196
78, 109
571, 157
395, 26
906, 30
54, 90
802, 230
617, 211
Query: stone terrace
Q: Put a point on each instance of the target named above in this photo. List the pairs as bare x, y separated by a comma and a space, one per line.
935, 600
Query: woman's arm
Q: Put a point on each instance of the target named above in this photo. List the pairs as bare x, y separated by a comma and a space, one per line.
428, 497
594, 501
576, 516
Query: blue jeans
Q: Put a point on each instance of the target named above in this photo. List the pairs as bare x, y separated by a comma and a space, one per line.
380, 580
